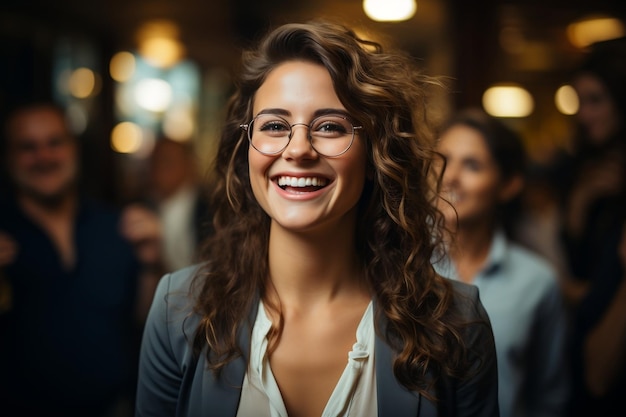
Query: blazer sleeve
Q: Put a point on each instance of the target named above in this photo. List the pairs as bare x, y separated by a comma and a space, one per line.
477, 394
160, 374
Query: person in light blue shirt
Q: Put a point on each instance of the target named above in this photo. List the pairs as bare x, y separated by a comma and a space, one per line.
482, 174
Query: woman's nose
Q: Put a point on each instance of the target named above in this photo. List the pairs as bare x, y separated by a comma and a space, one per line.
450, 175
299, 146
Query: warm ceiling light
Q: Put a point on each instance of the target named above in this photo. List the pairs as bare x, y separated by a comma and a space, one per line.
594, 29
566, 100
126, 137
161, 52
82, 82
122, 66
508, 101
389, 10
159, 44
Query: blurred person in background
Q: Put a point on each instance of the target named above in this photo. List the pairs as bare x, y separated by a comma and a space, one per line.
73, 273
483, 172
176, 194
594, 214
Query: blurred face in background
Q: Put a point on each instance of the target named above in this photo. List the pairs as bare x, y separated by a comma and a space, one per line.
41, 153
597, 114
471, 181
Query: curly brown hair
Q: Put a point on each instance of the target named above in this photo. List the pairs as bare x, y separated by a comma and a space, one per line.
399, 228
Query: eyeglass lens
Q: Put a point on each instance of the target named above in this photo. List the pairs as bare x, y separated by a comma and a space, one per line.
329, 135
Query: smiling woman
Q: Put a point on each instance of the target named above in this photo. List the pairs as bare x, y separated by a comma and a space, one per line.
483, 174
317, 295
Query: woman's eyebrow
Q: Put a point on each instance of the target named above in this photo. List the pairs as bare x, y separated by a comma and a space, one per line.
276, 111
317, 113
323, 112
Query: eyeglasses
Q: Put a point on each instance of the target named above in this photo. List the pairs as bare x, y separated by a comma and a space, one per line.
330, 135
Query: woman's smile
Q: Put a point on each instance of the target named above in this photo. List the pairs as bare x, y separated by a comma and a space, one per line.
301, 184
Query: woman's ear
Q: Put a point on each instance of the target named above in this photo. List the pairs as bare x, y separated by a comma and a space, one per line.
511, 188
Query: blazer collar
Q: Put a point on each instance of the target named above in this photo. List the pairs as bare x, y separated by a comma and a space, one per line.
222, 396
394, 400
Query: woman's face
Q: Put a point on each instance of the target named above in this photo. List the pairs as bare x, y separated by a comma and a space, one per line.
597, 113
471, 180
298, 188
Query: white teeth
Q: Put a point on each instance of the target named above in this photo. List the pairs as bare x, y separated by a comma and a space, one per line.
301, 181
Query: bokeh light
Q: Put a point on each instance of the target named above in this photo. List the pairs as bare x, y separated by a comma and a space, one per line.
153, 94
159, 44
126, 137
122, 66
593, 29
389, 10
508, 101
566, 100
82, 83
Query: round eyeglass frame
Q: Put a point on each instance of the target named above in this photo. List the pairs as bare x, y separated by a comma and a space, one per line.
246, 127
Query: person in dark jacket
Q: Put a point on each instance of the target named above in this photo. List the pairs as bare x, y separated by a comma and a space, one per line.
72, 274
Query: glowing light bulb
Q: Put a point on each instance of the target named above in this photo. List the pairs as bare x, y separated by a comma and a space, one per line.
389, 10
508, 101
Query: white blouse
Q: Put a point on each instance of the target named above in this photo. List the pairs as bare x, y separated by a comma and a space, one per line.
354, 395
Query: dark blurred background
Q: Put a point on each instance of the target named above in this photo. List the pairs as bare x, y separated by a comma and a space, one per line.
93, 58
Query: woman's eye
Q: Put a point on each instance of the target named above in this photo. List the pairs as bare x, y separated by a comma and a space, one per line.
330, 128
274, 127
472, 165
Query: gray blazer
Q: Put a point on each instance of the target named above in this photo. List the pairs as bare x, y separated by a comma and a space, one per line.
175, 382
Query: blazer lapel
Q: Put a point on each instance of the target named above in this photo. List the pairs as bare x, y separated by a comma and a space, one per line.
394, 400
223, 396
220, 398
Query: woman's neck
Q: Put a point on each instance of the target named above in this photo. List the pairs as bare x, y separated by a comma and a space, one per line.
470, 249
308, 269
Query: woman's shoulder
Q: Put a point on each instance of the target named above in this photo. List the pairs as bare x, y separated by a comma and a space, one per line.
175, 288
477, 384
172, 311
465, 297
181, 280
468, 309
